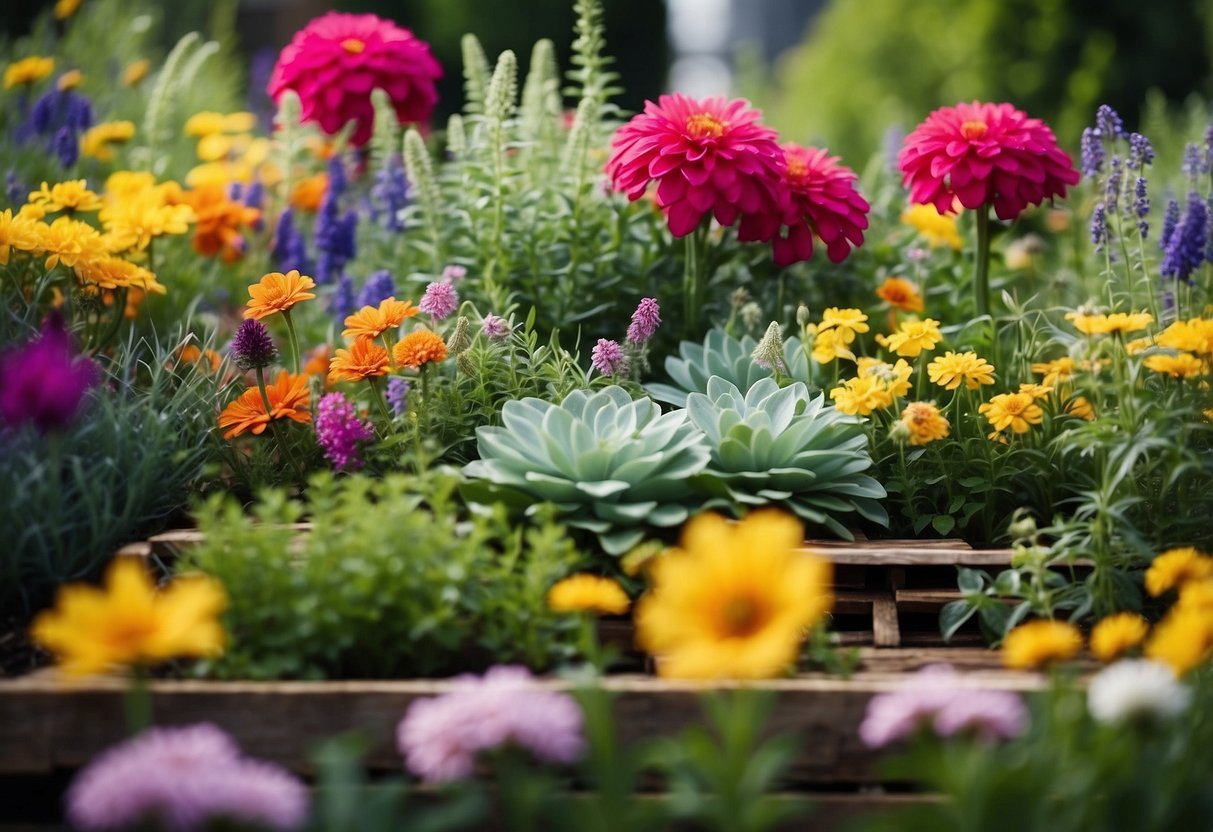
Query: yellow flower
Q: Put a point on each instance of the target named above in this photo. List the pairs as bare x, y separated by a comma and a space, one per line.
1036, 391
92, 630
28, 71
116, 273
69, 80
913, 338
204, 124
1183, 365
588, 593
136, 71
1057, 370
900, 293
1176, 567
16, 232
69, 242
1040, 642
96, 141
939, 229
135, 221
953, 368
1193, 335
1196, 595
894, 377
847, 322
72, 195
735, 600
66, 8
1117, 634
241, 122
828, 345
1017, 411
1118, 322
924, 422
861, 395
1183, 639
213, 147
1080, 407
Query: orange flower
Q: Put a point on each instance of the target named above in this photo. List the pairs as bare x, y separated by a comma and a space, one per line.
368, 323
900, 294
192, 354
365, 359
317, 363
309, 193
289, 399
219, 221
278, 292
418, 347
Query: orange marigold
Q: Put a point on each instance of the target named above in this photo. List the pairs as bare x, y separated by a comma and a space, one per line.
278, 292
418, 347
309, 193
369, 323
900, 294
289, 399
219, 222
365, 359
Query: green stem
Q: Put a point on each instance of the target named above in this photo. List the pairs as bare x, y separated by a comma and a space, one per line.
269, 411
294, 339
694, 276
380, 402
137, 703
981, 273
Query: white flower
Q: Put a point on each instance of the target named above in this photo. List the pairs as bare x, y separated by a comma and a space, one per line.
1136, 688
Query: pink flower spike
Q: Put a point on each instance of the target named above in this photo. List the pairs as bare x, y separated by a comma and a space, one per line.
645, 321
439, 301
607, 358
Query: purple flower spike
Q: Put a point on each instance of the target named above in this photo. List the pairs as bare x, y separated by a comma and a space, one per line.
183, 779
252, 346
44, 382
439, 301
607, 358
495, 328
645, 321
338, 430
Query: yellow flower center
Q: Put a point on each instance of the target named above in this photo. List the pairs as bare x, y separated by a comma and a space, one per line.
974, 129
704, 126
741, 617
353, 46
796, 167
126, 635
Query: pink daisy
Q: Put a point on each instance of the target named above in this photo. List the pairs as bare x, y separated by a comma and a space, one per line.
819, 200
984, 154
707, 157
335, 62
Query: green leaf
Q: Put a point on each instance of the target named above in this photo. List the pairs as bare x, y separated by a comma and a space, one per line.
943, 523
953, 616
971, 581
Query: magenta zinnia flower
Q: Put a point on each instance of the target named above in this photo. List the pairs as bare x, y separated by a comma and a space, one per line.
984, 154
335, 62
180, 780
44, 382
707, 157
819, 199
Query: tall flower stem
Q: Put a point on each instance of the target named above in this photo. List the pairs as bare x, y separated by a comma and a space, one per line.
294, 339
694, 277
137, 703
981, 273
269, 410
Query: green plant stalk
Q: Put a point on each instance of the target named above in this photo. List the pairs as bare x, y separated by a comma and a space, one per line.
694, 276
981, 272
137, 702
119, 316
294, 339
380, 401
269, 411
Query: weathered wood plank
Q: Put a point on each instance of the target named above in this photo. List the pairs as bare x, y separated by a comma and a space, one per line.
885, 629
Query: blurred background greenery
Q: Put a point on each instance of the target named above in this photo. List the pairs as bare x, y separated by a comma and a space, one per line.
838, 72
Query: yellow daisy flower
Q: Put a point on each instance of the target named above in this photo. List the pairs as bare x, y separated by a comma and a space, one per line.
913, 338
1176, 567
1181, 365
924, 422
72, 195
1117, 634
953, 368
588, 593
861, 395
938, 229
28, 71
1017, 411
1039, 643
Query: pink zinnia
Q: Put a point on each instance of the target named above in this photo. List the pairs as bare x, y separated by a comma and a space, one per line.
441, 736
819, 199
335, 62
984, 154
183, 779
707, 157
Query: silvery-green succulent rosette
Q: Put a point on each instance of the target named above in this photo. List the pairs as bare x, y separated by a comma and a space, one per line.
722, 355
774, 445
612, 466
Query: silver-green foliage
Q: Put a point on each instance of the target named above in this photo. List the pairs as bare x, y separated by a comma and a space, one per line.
611, 465
782, 446
722, 355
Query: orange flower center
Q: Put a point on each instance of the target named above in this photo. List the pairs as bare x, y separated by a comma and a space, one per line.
1016, 404
973, 130
796, 167
127, 633
353, 46
741, 617
705, 126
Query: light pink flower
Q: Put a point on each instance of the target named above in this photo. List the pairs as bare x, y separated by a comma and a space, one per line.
708, 157
984, 154
439, 301
335, 62
607, 358
645, 321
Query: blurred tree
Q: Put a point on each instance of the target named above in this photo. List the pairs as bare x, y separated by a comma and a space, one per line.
869, 64
636, 36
